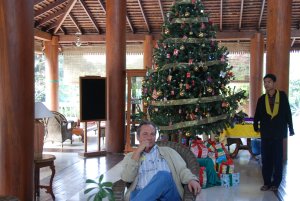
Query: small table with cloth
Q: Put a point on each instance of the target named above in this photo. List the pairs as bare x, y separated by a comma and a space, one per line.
233, 136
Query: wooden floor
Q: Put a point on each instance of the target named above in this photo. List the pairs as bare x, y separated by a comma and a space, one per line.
72, 171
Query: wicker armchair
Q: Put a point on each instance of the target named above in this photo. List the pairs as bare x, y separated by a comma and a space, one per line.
59, 129
191, 162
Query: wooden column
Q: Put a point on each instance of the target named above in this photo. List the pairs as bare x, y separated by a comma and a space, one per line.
52, 79
148, 48
278, 45
278, 41
16, 98
256, 70
115, 72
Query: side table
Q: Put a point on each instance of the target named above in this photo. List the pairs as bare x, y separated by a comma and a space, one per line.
40, 161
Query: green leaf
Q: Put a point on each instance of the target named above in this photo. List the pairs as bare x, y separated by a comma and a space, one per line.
89, 190
107, 184
100, 179
91, 181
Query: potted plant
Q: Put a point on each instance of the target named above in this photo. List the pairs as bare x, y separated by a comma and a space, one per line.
101, 190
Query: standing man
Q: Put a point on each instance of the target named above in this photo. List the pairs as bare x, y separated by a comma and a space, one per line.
156, 173
272, 117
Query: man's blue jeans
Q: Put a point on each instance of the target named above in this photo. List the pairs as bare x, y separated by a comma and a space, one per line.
161, 187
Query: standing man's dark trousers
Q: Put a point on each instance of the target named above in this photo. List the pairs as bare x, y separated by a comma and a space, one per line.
272, 161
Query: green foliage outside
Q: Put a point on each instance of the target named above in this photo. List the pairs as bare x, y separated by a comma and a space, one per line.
187, 92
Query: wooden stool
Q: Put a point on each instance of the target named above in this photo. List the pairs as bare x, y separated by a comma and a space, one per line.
40, 161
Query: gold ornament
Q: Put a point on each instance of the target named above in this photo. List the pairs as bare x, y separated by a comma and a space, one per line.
159, 93
181, 93
201, 35
182, 47
187, 14
191, 33
209, 89
145, 104
188, 134
167, 31
196, 68
156, 109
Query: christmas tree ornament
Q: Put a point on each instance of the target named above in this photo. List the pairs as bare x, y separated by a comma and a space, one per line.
181, 93
167, 31
209, 89
159, 93
182, 47
145, 104
176, 51
187, 86
191, 33
201, 35
169, 78
187, 14
188, 74
196, 68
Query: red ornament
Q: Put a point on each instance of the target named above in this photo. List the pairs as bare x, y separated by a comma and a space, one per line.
176, 51
187, 86
188, 74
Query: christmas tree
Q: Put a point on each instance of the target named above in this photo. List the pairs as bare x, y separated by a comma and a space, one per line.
186, 92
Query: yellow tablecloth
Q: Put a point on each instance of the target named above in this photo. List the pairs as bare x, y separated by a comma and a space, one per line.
239, 131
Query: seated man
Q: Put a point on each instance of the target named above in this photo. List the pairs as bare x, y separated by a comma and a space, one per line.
156, 173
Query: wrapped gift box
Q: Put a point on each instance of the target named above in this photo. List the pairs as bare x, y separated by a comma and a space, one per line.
228, 180
199, 149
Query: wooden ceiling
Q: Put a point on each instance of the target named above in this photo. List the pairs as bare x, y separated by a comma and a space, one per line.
236, 20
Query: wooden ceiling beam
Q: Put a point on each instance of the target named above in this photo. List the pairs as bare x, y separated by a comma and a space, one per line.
75, 22
241, 14
222, 36
88, 12
221, 15
67, 10
141, 37
41, 35
261, 14
161, 10
48, 8
38, 1
50, 17
129, 23
144, 16
293, 41
102, 5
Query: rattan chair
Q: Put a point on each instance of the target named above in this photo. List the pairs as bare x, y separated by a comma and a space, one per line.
59, 129
190, 159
